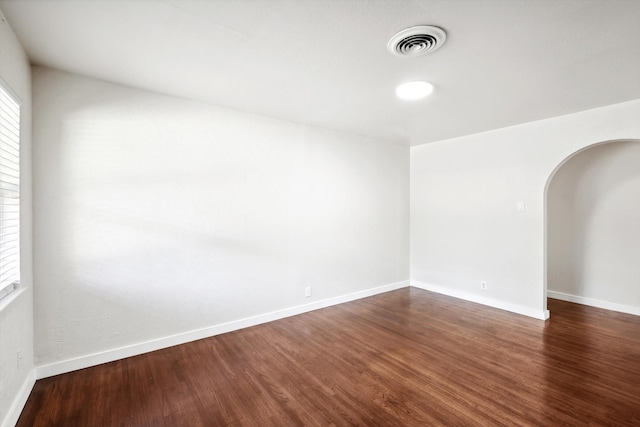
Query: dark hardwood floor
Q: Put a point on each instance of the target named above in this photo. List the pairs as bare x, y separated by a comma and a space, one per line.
404, 358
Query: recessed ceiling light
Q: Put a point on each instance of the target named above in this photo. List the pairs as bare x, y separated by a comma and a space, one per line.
411, 91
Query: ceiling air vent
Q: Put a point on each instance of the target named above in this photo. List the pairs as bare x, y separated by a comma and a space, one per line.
417, 41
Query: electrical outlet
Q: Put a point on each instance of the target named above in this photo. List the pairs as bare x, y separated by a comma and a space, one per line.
483, 285
307, 292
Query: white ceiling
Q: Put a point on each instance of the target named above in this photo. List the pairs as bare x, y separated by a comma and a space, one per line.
325, 63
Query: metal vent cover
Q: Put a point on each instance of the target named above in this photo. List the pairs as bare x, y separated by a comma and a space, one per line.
417, 41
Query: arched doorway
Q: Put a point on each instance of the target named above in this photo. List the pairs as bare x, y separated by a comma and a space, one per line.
592, 227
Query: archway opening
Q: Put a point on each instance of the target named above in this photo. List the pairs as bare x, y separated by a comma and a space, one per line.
592, 227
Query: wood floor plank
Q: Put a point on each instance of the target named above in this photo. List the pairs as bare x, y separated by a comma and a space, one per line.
403, 358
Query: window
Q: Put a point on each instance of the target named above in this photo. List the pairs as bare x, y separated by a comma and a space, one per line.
9, 192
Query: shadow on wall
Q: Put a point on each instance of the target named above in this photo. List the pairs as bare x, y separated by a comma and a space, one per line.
593, 231
156, 216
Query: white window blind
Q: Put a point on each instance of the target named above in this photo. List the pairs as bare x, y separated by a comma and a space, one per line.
9, 193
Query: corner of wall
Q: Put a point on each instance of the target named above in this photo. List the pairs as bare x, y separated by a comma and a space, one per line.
20, 401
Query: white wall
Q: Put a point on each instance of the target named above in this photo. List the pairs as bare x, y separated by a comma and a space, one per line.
464, 224
594, 225
157, 216
16, 310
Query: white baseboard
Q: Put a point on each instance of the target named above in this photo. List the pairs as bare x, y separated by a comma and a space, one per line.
622, 308
82, 362
15, 410
502, 305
